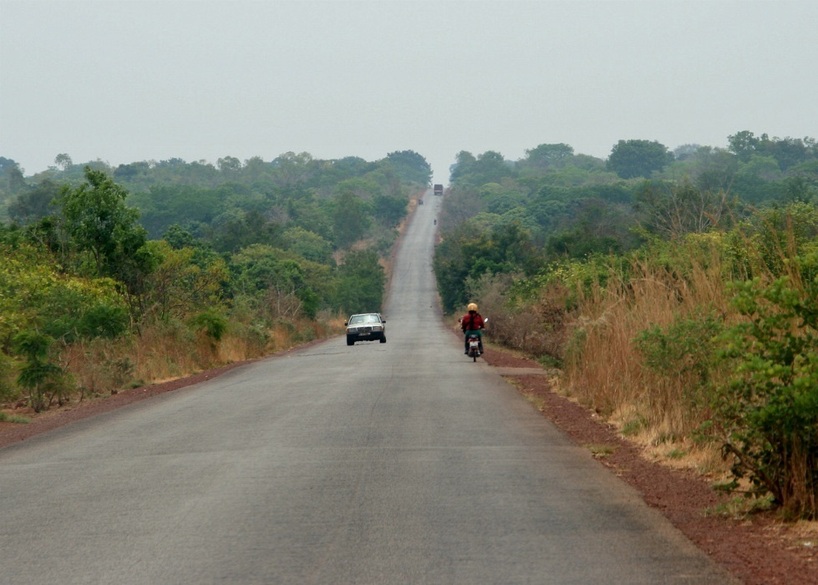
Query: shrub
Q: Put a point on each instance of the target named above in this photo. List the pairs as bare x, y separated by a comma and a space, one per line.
211, 323
683, 355
7, 389
44, 380
769, 410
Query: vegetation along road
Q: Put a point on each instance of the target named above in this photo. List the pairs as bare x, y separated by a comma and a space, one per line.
378, 463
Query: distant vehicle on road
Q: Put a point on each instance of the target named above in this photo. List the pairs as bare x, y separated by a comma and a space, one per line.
438, 189
366, 327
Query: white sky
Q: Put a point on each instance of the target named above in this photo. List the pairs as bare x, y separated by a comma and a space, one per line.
126, 81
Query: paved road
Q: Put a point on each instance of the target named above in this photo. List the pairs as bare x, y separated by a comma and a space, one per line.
374, 464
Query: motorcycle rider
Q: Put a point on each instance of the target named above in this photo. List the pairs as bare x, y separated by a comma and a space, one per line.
472, 324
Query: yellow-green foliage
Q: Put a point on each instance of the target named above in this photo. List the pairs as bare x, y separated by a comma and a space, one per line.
7, 386
178, 286
35, 294
767, 415
184, 326
24, 277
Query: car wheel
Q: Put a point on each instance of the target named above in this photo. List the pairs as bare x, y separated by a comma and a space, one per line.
350, 341
383, 339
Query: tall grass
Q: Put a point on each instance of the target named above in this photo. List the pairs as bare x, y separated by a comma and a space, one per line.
538, 328
596, 323
167, 350
605, 367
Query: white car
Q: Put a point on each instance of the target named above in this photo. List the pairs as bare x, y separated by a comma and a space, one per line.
366, 327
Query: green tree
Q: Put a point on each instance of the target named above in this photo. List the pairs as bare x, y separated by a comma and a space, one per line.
769, 411
638, 158
361, 283
787, 152
350, 219
35, 203
345, 168
715, 169
451, 269
130, 172
490, 167
275, 277
229, 165
63, 161
673, 210
6, 164
98, 222
388, 209
164, 205
411, 167
178, 237
236, 229
307, 244
464, 161
43, 379
743, 144
13, 180
186, 280
546, 156
485, 244
292, 169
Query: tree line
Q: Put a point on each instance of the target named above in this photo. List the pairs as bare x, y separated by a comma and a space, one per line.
117, 276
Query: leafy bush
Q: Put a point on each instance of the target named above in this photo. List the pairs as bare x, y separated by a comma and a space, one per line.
34, 294
7, 389
44, 380
211, 323
684, 351
769, 410
76, 314
104, 320
361, 283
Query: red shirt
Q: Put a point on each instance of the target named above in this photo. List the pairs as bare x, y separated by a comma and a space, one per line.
471, 322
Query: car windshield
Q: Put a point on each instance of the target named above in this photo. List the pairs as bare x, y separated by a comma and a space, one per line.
360, 319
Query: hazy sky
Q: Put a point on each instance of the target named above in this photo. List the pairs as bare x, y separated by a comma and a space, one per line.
126, 81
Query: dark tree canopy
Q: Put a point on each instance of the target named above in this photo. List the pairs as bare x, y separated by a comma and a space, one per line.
98, 222
638, 158
787, 152
488, 167
35, 203
549, 155
411, 166
7, 163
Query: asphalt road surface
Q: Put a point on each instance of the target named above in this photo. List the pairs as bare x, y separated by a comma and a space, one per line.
378, 463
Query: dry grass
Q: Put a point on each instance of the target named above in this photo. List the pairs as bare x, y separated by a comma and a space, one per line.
540, 329
806, 532
168, 351
605, 371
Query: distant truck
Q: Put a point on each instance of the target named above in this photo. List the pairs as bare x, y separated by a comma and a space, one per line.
438, 189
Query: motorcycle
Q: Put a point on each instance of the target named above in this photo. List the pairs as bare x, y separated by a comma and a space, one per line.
474, 344
474, 347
